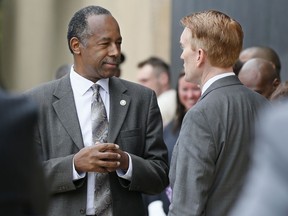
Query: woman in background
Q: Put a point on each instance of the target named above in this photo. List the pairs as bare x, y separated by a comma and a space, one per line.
187, 96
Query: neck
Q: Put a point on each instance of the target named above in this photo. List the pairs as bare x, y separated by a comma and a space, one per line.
212, 72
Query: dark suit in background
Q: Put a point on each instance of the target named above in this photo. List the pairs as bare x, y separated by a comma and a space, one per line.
170, 138
22, 188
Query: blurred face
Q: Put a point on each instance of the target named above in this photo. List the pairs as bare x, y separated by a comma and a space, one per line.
148, 78
189, 93
189, 57
100, 54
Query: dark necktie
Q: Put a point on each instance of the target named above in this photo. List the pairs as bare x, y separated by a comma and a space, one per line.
102, 202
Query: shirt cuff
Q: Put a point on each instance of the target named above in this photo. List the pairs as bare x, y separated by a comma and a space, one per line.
156, 208
128, 174
76, 175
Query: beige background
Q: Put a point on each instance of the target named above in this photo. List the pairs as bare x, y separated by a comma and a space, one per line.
34, 41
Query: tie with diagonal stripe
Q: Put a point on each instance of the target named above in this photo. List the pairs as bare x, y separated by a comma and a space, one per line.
103, 200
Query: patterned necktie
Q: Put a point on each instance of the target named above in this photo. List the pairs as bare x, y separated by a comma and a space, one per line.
103, 200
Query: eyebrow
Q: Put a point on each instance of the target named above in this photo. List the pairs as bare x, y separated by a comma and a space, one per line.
109, 39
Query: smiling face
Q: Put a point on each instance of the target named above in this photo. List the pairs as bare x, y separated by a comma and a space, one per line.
189, 93
98, 55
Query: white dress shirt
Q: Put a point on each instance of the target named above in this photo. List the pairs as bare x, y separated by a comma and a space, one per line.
83, 96
214, 79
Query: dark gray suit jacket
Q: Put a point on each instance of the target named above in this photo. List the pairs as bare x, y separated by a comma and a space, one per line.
136, 128
211, 156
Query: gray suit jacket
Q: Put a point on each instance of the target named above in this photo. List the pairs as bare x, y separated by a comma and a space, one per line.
136, 128
210, 158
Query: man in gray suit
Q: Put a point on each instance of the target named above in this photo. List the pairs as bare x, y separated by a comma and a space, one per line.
135, 156
210, 158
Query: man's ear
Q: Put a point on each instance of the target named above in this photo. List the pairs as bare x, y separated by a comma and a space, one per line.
75, 45
276, 83
200, 57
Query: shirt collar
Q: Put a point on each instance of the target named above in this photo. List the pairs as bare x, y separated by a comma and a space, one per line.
82, 85
215, 78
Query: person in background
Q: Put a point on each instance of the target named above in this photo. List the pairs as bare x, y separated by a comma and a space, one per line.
23, 189
154, 73
62, 71
281, 92
187, 95
211, 156
259, 75
265, 191
237, 67
129, 149
263, 52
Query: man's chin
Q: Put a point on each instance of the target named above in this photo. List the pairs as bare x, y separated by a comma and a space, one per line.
108, 74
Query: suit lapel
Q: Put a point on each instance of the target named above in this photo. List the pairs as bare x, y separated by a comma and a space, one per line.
119, 104
66, 110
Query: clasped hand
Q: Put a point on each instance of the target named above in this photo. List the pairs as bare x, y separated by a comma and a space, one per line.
101, 157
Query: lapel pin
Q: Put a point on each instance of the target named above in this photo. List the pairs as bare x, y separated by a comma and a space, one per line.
122, 102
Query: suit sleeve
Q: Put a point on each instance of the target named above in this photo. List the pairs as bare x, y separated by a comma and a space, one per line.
58, 170
192, 166
150, 171
57, 159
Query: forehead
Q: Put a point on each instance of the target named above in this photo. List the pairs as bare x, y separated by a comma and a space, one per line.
105, 25
186, 36
146, 71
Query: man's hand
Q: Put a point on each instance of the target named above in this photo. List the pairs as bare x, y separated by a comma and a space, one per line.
123, 160
101, 157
